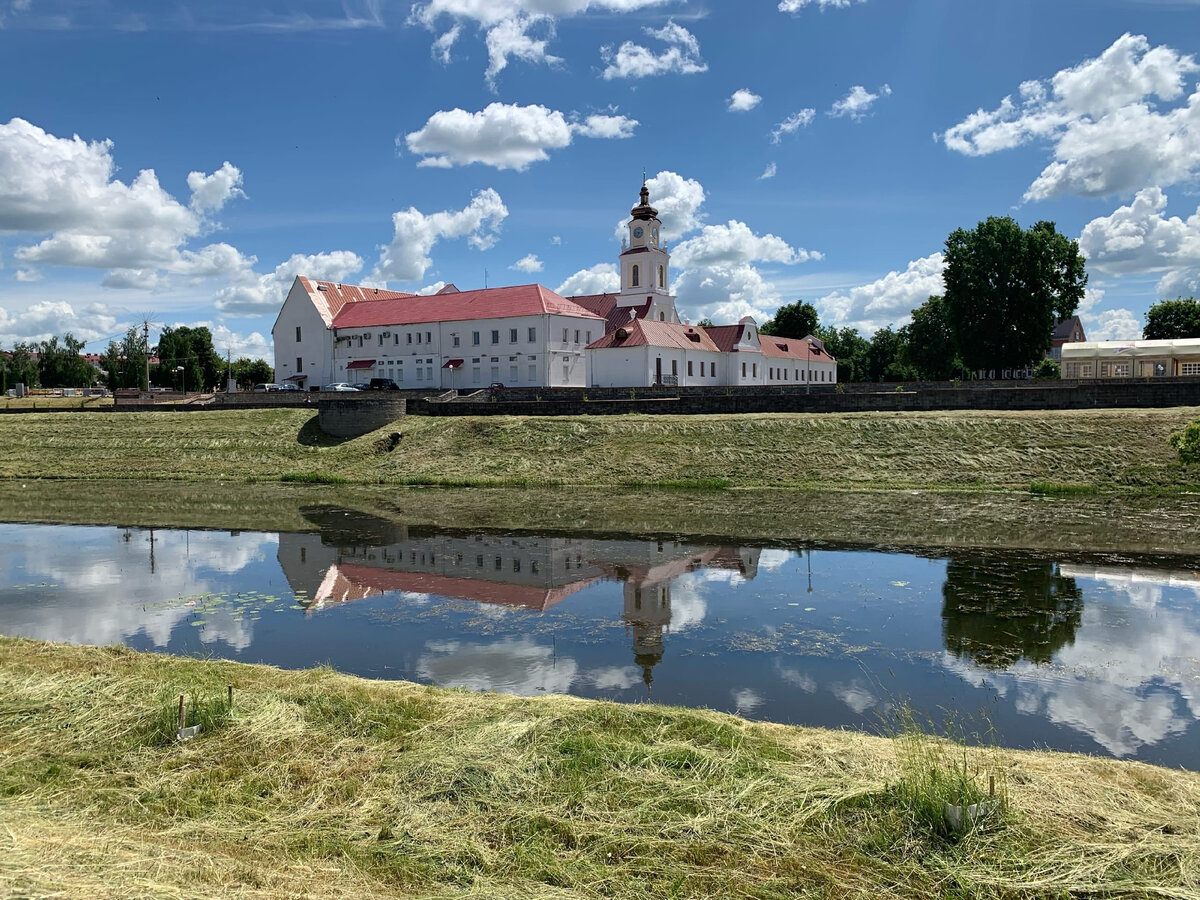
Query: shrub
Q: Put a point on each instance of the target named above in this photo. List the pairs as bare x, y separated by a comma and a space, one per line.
1046, 369
1187, 442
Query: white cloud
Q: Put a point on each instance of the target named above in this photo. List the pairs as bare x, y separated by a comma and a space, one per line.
1103, 120
794, 6
506, 25
44, 319
735, 244
528, 263
27, 275
856, 104
792, 124
1140, 239
252, 294
631, 60
678, 201
768, 172
211, 192
66, 187
253, 345
744, 100
513, 666
1113, 325
506, 136
890, 300
602, 278
407, 257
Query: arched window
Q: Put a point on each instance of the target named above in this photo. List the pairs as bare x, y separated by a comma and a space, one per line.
662, 277
636, 280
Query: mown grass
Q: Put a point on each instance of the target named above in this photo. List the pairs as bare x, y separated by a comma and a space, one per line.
1106, 449
323, 785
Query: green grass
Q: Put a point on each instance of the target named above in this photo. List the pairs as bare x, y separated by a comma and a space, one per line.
324, 785
1106, 449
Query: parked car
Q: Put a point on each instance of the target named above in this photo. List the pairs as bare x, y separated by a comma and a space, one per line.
340, 386
289, 386
363, 385
264, 388
383, 384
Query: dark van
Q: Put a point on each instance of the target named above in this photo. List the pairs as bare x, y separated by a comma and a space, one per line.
382, 384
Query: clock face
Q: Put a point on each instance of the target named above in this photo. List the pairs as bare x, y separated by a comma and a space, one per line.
637, 232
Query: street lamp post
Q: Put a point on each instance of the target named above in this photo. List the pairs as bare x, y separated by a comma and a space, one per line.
184, 371
808, 368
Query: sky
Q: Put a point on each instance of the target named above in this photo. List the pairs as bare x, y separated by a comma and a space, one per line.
181, 162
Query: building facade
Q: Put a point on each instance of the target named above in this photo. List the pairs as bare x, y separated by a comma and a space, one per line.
1131, 359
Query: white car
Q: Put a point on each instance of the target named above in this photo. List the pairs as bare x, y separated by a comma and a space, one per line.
340, 386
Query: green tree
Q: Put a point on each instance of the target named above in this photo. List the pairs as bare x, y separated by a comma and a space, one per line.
20, 367
125, 363
849, 348
1172, 319
250, 372
930, 342
1004, 288
792, 320
887, 358
192, 350
62, 365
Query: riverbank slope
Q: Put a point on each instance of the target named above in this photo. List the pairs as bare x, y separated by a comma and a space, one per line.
1095, 449
324, 785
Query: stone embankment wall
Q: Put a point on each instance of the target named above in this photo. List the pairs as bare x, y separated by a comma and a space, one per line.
1026, 395
351, 418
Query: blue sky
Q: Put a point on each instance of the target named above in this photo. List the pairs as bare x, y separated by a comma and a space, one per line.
183, 161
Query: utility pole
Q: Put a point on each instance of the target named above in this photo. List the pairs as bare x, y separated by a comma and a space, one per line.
146, 339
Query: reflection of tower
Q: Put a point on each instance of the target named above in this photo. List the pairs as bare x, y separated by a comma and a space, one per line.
648, 613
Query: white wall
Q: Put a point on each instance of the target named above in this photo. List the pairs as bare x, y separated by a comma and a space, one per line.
315, 345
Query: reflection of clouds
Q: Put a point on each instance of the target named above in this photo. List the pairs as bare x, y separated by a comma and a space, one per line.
510, 666
619, 678
1143, 587
796, 678
774, 560
1128, 681
746, 701
105, 592
857, 695
688, 605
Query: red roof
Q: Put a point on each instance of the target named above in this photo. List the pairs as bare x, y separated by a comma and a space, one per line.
489, 303
361, 364
648, 333
726, 337
605, 306
330, 297
791, 348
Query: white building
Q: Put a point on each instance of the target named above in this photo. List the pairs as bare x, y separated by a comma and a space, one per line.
529, 336
1130, 359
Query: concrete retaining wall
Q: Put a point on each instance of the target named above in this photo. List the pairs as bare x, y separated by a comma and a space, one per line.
350, 418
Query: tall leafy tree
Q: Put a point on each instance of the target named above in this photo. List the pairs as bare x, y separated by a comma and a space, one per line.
887, 358
125, 362
1004, 288
1173, 319
792, 320
249, 372
189, 349
20, 367
849, 348
62, 365
930, 342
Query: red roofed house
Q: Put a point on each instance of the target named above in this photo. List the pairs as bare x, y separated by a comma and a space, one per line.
529, 336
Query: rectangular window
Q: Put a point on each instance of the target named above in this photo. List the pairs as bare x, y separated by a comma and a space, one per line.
419, 373
754, 370
516, 565
577, 335
297, 334
690, 368
479, 561
408, 337
396, 339
566, 372
589, 337
429, 337
532, 335
564, 335
381, 340
400, 375
512, 374
475, 338
512, 335
299, 364
532, 372
495, 336
456, 340
418, 337
743, 370
495, 373
1085, 370
1189, 368
429, 373
675, 367
475, 375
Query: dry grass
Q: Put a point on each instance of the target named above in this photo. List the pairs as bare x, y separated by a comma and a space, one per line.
1102, 448
324, 785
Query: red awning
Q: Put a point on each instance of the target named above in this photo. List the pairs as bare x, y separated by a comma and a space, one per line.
296, 378
452, 364
361, 364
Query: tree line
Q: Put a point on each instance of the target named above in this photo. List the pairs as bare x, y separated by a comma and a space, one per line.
184, 358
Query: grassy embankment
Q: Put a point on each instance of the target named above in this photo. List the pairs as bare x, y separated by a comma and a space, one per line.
49, 402
1057, 451
322, 785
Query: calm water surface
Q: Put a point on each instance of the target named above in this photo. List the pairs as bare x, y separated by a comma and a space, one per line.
1080, 654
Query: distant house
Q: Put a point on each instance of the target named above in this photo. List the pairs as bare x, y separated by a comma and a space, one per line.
1068, 330
1131, 359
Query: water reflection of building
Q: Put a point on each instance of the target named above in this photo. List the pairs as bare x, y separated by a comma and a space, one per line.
356, 556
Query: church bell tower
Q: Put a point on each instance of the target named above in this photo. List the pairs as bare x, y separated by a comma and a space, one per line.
645, 263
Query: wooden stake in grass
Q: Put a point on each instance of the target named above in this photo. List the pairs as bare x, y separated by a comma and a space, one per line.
230, 689
182, 712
